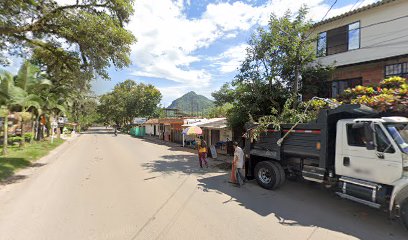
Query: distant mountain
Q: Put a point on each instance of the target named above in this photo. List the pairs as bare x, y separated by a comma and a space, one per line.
192, 103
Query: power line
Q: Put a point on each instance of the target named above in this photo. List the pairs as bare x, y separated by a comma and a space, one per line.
331, 7
344, 19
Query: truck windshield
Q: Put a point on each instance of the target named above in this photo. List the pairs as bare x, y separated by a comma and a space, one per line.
399, 132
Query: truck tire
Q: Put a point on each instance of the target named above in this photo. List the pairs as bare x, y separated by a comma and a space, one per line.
281, 173
267, 175
404, 213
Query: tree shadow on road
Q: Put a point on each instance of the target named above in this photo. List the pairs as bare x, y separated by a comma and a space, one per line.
8, 165
185, 163
303, 204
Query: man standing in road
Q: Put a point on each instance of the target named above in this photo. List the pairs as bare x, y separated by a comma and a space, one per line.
237, 173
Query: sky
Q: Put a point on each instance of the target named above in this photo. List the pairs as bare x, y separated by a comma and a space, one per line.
197, 45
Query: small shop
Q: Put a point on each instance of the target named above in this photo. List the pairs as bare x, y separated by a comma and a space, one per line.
152, 127
189, 140
218, 134
171, 129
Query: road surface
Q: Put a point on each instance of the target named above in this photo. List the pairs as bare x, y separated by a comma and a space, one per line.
104, 187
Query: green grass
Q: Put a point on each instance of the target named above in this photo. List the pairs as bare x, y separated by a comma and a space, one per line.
18, 157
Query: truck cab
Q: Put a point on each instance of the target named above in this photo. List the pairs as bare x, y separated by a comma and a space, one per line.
372, 160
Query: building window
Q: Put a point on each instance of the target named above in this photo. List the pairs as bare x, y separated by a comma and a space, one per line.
399, 69
338, 40
354, 36
321, 44
339, 86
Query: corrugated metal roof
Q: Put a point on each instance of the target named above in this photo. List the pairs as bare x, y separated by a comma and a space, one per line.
220, 124
370, 6
152, 121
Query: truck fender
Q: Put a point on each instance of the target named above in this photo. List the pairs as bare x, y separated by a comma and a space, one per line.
399, 194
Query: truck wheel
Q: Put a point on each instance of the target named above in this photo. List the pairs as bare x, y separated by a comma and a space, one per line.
267, 175
404, 213
282, 174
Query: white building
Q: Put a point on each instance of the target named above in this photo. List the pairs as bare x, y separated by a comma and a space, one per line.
365, 45
152, 127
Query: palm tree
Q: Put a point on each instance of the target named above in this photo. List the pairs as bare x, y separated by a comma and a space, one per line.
30, 79
7, 100
12, 96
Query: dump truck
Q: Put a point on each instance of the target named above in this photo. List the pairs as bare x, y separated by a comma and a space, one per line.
351, 149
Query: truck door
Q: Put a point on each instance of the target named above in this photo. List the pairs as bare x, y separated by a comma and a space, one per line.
380, 164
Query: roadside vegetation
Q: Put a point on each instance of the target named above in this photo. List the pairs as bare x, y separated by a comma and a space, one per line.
60, 54
127, 101
18, 157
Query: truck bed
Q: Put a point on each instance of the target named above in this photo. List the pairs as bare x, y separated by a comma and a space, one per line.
314, 141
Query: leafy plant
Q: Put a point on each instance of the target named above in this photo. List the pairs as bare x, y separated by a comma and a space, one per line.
15, 139
305, 112
28, 136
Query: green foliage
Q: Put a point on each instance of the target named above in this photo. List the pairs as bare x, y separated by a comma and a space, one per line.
127, 101
28, 136
276, 58
224, 95
219, 111
18, 158
303, 113
15, 139
314, 81
192, 103
93, 28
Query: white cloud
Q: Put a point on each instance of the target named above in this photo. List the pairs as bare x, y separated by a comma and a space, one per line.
168, 40
231, 59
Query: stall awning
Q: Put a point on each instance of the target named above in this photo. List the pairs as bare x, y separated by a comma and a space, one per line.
219, 124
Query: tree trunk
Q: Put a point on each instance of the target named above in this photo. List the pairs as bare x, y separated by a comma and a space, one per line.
5, 126
296, 87
22, 143
33, 130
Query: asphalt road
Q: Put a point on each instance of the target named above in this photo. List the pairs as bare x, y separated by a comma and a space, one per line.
99, 186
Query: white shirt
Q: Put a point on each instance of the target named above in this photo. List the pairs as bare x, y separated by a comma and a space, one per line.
239, 154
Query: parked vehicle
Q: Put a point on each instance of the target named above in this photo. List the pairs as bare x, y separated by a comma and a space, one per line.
362, 156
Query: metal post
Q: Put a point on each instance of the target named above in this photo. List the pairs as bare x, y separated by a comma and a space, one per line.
52, 135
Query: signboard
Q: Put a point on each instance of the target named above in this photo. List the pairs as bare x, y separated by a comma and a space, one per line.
213, 151
139, 120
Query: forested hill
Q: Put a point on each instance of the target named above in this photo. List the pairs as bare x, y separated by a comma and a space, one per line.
192, 103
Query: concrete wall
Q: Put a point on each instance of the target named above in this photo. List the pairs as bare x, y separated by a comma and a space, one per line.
376, 42
149, 129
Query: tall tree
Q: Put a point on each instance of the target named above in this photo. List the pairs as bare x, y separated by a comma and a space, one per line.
276, 58
129, 100
85, 35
